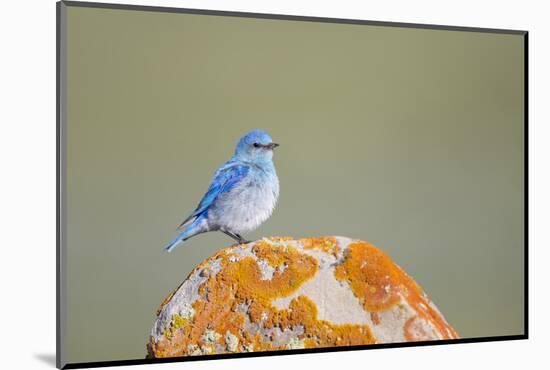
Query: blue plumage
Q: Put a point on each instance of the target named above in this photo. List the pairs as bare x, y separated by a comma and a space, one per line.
242, 193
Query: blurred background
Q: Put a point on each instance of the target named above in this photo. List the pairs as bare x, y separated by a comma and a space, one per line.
410, 139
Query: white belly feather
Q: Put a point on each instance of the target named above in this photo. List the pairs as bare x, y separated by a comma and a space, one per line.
247, 205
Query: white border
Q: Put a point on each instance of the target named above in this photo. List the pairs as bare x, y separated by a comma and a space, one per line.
27, 188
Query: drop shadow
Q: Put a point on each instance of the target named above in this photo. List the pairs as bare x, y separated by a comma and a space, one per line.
47, 358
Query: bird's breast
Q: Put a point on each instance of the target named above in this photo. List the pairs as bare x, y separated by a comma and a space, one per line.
250, 203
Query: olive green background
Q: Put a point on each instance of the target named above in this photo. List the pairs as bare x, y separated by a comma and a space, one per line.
411, 139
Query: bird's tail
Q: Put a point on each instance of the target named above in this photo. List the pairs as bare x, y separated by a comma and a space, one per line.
185, 234
174, 243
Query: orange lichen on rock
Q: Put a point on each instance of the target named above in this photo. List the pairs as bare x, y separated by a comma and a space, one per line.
240, 283
380, 284
280, 238
375, 318
327, 244
227, 304
320, 333
372, 275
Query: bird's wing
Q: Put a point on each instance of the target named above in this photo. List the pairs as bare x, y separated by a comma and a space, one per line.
224, 180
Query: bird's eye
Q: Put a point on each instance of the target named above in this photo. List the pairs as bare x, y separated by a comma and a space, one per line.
256, 145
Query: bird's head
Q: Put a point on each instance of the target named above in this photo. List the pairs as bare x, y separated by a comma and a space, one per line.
255, 146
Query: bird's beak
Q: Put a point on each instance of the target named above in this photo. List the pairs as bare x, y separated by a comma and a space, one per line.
272, 145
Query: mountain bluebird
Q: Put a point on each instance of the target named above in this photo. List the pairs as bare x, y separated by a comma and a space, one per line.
242, 194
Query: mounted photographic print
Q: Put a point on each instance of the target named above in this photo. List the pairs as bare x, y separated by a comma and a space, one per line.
234, 184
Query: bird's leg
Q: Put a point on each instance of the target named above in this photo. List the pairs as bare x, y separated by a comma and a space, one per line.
237, 237
243, 240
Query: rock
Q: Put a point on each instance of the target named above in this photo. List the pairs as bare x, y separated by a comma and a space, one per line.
280, 293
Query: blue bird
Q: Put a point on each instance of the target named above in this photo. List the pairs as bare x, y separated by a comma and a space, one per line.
242, 194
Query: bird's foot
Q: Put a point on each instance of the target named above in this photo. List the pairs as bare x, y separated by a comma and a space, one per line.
242, 240
238, 238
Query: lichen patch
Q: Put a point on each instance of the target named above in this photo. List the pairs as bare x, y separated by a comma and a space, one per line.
380, 284
281, 293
